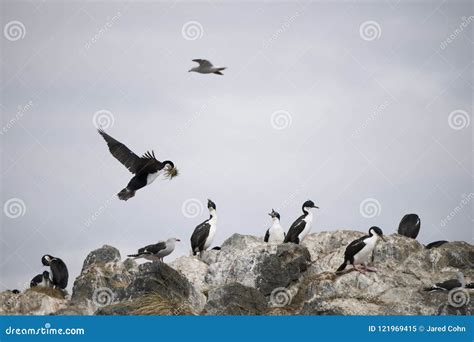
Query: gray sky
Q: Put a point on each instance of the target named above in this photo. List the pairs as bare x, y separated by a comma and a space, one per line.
365, 108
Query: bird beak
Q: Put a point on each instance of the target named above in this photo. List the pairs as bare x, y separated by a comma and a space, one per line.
178, 240
315, 207
270, 214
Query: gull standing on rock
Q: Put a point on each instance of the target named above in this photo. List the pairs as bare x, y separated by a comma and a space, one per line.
206, 67
157, 251
448, 285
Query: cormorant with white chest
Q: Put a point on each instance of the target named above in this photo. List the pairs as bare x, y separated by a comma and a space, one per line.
41, 280
204, 233
275, 233
302, 226
58, 270
409, 226
157, 251
359, 251
145, 168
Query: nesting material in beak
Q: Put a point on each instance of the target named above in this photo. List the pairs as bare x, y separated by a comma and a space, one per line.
170, 173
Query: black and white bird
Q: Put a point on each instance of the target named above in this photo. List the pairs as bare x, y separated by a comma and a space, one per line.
58, 270
41, 280
359, 252
448, 285
204, 233
206, 67
302, 226
435, 244
275, 234
409, 226
157, 251
145, 168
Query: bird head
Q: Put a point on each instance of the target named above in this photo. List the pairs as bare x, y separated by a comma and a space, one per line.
170, 170
309, 205
45, 274
274, 214
377, 231
46, 259
211, 205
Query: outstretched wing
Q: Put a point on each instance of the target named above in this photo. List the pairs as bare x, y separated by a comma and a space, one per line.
203, 62
153, 249
200, 234
129, 159
295, 230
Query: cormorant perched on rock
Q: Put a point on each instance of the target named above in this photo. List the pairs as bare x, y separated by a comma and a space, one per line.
409, 225
58, 270
204, 233
302, 226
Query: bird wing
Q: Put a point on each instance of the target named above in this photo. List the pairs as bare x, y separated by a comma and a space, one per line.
203, 62
153, 249
449, 284
200, 234
36, 280
129, 159
267, 235
296, 228
355, 247
60, 272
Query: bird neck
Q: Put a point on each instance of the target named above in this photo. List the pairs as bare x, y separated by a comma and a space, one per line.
212, 214
275, 221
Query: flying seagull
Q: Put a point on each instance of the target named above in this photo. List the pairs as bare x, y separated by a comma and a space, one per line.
358, 252
157, 251
145, 168
302, 226
203, 234
206, 67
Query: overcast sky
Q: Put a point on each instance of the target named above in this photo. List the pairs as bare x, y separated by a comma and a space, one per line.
365, 108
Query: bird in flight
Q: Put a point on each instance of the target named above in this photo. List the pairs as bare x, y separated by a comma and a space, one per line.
206, 67
145, 168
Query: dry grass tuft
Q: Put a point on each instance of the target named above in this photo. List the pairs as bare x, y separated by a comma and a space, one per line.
155, 304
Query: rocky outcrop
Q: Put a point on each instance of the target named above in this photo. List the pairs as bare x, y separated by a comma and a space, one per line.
250, 277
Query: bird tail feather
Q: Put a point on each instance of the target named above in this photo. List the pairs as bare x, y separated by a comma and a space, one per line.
432, 288
134, 255
342, 267
126, 194
218, 73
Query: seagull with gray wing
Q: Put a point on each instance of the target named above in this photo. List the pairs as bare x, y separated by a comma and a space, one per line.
157, 251
145, 168
206, 67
